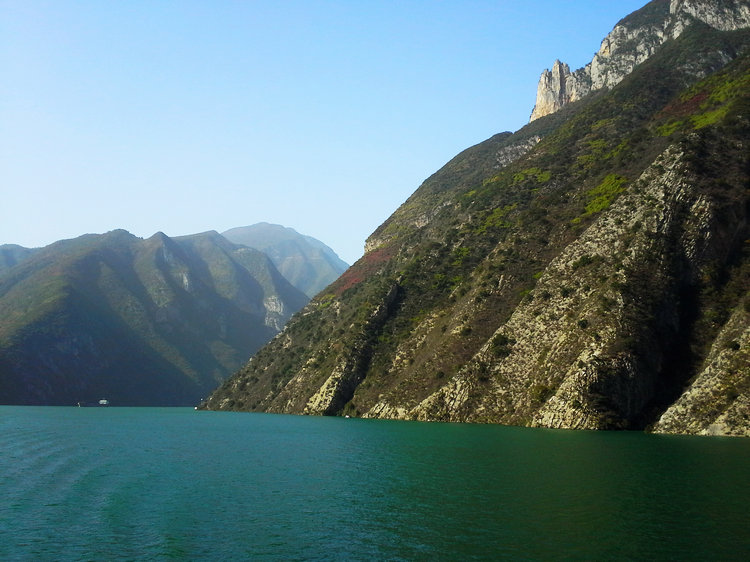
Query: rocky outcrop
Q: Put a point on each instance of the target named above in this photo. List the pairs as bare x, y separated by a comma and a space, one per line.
718, 401
558, 87
725, 15
631, 42
339, 388
512, 152
561, 365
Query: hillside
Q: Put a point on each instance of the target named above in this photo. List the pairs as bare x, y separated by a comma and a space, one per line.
305, 262
589, 271
159, 321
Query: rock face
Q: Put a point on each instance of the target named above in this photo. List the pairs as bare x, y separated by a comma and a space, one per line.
569, 352
632, 41
558, 87
726, 15
588, 271
718, 401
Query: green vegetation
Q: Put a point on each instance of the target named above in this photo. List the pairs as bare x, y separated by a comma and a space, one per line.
705, 104
601, 197
145, 322
502, 345
532, 176
496, 219
475, 255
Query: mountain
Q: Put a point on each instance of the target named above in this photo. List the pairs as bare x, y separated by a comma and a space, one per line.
591, 270
633, 40
159, 321
307, 263
12, 254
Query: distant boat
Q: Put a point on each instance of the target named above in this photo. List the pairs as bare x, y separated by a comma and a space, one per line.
102, 402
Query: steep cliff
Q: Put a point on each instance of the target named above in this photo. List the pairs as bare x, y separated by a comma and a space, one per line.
718, 400
632, 41
588, 271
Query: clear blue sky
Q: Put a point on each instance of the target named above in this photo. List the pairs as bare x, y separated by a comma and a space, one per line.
186, 116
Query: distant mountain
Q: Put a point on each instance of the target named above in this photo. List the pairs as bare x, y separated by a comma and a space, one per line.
589, 271
307, 263
159, 321
12, 254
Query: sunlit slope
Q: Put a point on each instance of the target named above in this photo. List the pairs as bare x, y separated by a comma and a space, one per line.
584, 272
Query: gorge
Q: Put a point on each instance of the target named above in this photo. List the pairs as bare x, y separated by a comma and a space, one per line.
587, 271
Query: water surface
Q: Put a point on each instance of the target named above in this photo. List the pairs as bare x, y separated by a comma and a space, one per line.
173, 483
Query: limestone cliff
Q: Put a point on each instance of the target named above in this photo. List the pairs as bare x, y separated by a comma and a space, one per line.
588, 271
632, 41
558, 87
564, 362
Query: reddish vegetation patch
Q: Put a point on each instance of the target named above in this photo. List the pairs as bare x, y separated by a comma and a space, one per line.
367, 265
682, 108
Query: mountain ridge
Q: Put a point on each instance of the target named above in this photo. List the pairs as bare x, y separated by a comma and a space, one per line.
578, 273
159, 321
309, 264
634, 39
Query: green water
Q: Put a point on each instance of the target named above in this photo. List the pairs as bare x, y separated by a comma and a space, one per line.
173, 484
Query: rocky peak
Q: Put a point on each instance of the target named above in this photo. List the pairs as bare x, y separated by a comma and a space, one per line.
633, 40
597, 280
725, 15
558, 87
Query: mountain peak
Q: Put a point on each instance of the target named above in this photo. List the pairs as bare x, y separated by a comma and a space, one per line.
308, 263
583, 272
159, 321
633, 40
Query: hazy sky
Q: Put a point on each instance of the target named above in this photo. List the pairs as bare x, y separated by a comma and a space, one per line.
186, 116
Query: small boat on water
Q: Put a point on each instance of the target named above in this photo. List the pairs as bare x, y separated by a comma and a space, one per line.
102, 402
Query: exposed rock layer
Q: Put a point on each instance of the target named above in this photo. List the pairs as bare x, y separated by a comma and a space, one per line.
630, 43
589, 271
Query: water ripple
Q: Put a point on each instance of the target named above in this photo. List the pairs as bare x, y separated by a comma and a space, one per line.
167, 484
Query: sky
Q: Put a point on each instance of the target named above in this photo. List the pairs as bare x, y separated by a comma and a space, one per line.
324, 116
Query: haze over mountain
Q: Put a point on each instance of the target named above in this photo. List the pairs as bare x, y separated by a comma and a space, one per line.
160, 321
591, 270
307, 263
11, 254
